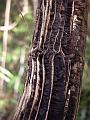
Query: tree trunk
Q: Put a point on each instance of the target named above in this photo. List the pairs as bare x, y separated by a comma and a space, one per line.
56, 60
35, 4
5, 41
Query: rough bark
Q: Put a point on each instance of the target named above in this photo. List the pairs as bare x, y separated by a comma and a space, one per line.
56, 60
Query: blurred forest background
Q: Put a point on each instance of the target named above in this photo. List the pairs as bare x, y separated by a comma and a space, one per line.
17, 18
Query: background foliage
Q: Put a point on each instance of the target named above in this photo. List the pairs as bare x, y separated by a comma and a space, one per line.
18, 45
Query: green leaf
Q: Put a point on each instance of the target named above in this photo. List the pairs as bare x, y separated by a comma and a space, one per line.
6, 72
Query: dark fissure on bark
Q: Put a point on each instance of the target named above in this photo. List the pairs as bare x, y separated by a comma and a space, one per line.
58, 96
56, 60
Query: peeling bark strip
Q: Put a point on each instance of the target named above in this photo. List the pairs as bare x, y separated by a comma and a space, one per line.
52, 89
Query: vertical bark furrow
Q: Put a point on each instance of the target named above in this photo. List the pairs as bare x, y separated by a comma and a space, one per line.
50, 24
55, 26
42, 35
66, 41
58, 96
39, 16
32, 78
77, 61
38, 87
47, 84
